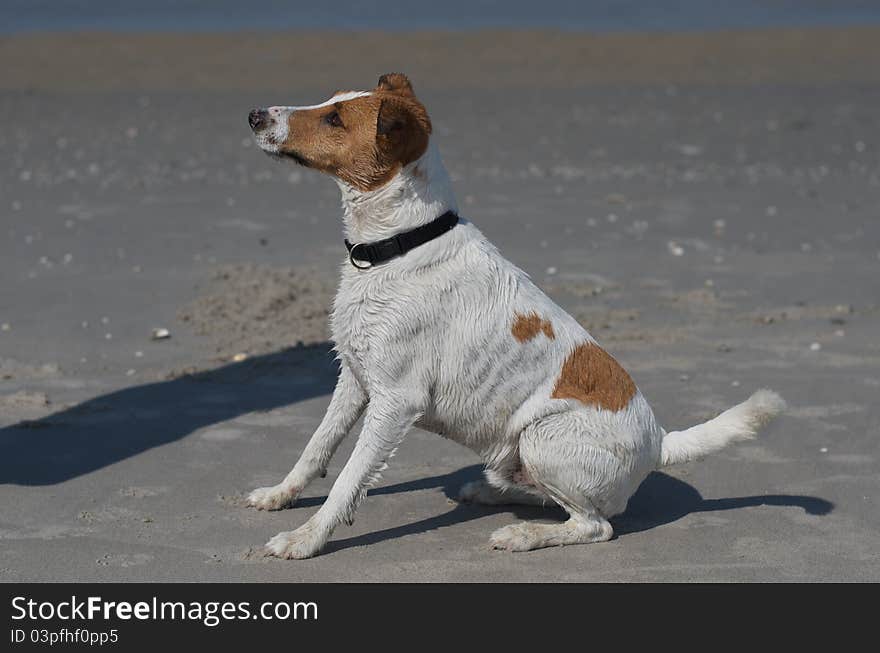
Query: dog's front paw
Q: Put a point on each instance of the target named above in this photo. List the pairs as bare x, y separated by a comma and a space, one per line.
304, 542
276, 497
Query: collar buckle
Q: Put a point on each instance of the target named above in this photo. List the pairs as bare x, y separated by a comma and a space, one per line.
351, 258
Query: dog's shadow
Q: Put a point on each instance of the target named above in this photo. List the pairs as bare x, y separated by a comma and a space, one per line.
112, 427
661, 499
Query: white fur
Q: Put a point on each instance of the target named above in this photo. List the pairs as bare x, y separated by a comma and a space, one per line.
405, 202
425, 339
735, 424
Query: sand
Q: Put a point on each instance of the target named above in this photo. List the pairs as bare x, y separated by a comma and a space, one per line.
706, 204
257, 309
504, 59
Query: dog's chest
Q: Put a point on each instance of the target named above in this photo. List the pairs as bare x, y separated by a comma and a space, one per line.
369, 324
446, 338
350, 325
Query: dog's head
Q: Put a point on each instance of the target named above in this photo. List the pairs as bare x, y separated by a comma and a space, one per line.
362, 137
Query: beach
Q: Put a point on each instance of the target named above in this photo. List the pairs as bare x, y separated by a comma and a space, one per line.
704, 202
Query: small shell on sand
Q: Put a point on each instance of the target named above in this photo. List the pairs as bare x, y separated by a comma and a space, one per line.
160, 334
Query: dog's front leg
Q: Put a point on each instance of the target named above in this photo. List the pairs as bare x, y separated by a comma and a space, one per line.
344, 410
386, 422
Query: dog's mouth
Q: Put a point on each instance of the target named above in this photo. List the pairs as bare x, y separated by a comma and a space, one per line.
289, 156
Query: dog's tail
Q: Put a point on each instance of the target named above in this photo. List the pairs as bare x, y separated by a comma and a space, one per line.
733, 425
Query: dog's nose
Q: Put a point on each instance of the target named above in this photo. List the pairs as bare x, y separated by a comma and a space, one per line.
258, 119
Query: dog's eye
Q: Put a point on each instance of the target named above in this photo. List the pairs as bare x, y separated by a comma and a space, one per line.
333, 119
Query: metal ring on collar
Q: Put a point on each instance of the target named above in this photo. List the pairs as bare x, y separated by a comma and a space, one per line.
351, 258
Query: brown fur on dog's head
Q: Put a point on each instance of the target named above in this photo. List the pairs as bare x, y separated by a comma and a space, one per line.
364, 141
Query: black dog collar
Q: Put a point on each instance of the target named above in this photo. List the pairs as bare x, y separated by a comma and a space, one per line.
389, 248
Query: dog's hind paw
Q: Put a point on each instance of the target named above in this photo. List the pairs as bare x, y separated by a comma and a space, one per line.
527, 536
304, 542
516, 537
276, 497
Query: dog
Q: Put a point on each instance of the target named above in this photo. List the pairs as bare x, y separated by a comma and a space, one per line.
434, 328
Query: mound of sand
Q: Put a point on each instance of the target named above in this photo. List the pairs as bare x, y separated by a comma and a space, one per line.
255, 309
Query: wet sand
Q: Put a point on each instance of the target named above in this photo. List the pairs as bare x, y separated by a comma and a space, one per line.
706, 204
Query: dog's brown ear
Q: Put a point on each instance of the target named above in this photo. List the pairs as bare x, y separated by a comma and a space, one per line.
392, 117
402, 113
396, 83
402, 128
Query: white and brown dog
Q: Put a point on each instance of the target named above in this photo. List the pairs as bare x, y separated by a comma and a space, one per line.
434, 328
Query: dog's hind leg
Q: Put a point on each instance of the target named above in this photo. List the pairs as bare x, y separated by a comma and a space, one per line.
346, 406
584, 526
580, 477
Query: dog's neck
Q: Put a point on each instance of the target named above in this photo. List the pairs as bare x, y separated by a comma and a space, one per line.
416, 195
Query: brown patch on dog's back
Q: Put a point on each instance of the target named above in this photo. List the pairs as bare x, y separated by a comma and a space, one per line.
527, 327
593, 377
